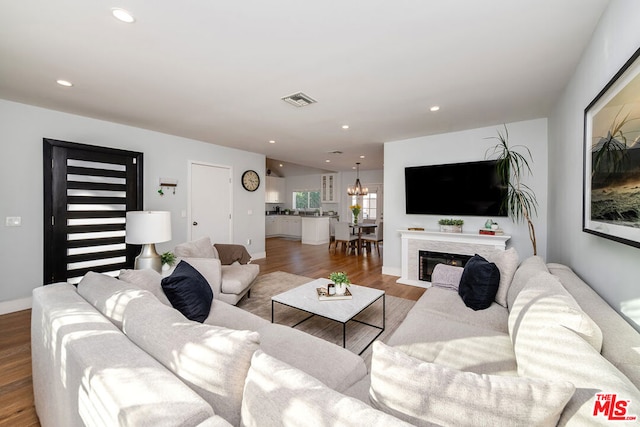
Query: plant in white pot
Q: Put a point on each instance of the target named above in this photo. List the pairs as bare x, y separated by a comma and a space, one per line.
451, 225
341, 281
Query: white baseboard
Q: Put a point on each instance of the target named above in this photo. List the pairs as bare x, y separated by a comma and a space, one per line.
15, 305
392, 271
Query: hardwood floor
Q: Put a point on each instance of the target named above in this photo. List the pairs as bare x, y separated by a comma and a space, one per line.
16, 392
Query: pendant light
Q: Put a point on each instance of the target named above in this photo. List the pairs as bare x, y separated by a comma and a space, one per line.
357, 189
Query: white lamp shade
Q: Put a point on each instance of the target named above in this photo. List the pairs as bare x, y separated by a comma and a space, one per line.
145, 227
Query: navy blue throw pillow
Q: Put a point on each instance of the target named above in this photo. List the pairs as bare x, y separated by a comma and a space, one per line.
188, 292
479, 283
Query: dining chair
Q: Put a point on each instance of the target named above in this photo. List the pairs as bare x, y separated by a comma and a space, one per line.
343, 236
375, 237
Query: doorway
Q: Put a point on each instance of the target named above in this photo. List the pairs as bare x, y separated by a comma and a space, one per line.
210, 202
87, 192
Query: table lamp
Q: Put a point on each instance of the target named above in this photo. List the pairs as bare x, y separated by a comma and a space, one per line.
147, 228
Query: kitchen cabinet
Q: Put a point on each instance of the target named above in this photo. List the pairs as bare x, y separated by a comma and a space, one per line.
275, 190
328, 188
272, 226
283, 225
315, 230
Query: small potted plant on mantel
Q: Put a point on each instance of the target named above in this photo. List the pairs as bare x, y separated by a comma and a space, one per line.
451, 225
341, 281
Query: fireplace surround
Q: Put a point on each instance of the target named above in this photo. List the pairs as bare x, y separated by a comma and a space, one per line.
414, 241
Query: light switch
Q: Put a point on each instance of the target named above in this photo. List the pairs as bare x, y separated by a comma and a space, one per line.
13, 221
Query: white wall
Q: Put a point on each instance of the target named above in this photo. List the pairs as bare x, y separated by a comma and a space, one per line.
611, 268
465, 146
22, 129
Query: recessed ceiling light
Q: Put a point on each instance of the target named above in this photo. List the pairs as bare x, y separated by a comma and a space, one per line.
345, 126
64, 83
327, 161
434, 108
280, 165
123, 15
272, 142
362, 157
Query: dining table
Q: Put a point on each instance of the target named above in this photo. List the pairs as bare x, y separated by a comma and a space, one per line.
358, 228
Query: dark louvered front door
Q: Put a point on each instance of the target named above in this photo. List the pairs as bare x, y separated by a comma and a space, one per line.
87, 192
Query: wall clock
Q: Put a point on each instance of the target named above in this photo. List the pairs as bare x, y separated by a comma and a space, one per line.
250, 180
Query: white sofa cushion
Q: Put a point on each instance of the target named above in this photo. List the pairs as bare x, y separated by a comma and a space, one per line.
201, 248
507, 262
147, 279
529, 268
213, 361
544, 302
277, 394
555, 352
423, 393
110, 296
211, 270
236, 278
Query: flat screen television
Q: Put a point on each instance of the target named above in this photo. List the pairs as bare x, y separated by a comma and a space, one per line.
472, 188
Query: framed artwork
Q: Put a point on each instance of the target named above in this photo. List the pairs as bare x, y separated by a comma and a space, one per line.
611, 193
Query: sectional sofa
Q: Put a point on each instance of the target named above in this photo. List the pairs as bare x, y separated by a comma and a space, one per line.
111, 353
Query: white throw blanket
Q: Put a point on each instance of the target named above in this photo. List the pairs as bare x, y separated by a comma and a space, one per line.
446, 276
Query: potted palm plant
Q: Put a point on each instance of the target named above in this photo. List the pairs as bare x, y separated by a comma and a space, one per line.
520, 201
341, 281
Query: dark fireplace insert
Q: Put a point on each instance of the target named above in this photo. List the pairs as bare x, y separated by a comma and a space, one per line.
427, 260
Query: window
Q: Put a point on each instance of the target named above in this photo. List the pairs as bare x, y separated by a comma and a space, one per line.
306, 199
369, 205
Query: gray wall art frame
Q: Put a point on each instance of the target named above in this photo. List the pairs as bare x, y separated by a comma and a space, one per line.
611, 190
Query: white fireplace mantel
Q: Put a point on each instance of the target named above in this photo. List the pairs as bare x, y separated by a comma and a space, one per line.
414, 241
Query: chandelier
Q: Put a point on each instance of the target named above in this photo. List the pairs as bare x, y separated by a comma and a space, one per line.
357, 189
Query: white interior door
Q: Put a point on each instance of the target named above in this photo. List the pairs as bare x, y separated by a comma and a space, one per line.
210, 202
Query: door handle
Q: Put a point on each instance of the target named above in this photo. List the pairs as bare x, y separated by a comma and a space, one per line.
195, 222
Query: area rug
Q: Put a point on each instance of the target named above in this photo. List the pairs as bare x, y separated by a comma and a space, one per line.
358, 335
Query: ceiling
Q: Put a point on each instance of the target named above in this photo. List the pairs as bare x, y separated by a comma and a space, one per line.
216, 71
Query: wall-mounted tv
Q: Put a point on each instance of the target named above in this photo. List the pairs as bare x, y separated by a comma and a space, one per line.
472, 188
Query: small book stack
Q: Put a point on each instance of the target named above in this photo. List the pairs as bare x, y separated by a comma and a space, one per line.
491, 232
324, 296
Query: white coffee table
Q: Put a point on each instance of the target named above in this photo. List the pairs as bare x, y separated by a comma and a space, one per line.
305, 298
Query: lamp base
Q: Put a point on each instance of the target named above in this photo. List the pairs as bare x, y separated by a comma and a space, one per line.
148, 258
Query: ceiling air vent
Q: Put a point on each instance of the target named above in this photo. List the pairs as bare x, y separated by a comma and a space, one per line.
299, 99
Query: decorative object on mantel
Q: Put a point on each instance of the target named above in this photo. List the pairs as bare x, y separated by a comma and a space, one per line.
520, 202
451, 225
416, 228
357, 189
340, 279
355, 209
491, 228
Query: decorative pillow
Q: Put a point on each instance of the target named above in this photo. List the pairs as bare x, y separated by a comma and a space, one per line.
201, 248
479, 283
446, 276
422, 393
507, 262
146, 279
277, 394
188, 292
